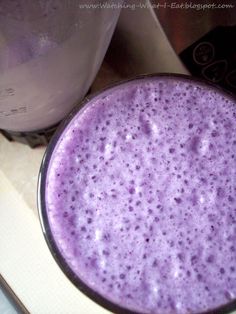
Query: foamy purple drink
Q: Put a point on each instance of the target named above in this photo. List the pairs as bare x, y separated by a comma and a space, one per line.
137, 196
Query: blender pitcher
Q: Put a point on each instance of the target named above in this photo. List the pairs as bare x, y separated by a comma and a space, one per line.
50, 52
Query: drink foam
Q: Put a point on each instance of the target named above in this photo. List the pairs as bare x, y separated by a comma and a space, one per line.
141, 196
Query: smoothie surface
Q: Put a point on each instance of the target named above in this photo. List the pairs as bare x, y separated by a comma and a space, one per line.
141, 195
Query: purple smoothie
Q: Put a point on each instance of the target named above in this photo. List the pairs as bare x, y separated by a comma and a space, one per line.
140, 195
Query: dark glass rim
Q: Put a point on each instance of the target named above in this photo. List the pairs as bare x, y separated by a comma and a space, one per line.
83, 287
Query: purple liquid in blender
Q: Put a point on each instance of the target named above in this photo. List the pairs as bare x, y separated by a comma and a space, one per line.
141, 199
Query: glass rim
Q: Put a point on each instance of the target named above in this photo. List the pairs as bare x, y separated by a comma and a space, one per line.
41, 188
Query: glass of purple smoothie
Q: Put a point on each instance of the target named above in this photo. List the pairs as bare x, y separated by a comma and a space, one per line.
137, 197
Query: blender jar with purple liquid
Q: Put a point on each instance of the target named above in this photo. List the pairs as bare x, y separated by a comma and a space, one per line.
50, 52
137, 197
